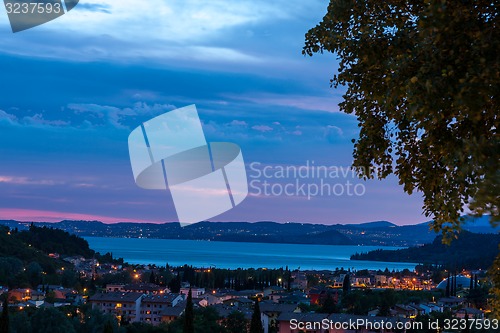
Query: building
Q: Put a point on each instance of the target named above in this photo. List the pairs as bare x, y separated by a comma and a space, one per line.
216, 297
270, 312
450, 302
273, 290
122, 305
172, 313
145, 288
469, 313
153, 306
195, 292
299, 280
115, 287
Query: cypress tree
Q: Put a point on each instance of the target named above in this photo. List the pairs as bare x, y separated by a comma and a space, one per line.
451, 286
448, 285
471, 285
346, 284
256, 323
455, 285
4, 319
188, 314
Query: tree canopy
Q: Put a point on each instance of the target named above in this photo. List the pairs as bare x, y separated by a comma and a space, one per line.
423, 79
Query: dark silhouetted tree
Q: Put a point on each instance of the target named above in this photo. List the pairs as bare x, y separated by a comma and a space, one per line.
4, 318
235, 322
329, 305
189, 314
447, 294
346, 284
108, 328
426, 100
256, 322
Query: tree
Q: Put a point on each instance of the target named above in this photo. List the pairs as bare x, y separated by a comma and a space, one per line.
387, 300
256, 323
4, 318
495, 290
152, 277
236, 322
346, 284
207, 320
448, 290
423, 79
329, 305
108, 328
188, 314
51, 320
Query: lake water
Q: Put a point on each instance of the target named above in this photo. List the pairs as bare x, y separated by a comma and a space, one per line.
238, 255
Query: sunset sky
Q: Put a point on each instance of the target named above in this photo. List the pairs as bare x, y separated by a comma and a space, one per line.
73, 89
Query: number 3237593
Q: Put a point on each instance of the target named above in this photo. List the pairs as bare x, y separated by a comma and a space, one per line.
33, 8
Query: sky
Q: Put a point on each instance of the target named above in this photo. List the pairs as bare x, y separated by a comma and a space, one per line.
73, 89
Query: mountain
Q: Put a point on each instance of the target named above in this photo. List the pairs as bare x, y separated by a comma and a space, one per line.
376, 224
378, 233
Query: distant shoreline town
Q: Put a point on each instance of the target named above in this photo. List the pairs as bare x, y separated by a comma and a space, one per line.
379, 233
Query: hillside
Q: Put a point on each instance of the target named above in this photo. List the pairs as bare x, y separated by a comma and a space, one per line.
26, 260
378, 233
474, 251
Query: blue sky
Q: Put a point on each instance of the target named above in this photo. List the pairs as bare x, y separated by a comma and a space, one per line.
74, 88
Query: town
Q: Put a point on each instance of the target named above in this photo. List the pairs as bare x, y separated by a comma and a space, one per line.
148, 298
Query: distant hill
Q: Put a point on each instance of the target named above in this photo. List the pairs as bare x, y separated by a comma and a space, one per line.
378, 233
376, 224
470, 250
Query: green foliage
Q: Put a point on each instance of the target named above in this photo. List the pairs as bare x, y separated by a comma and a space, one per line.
107, 258
256, 322
51, 320
20, 323
9, 268
34, 272
494, 274
478, 297
235, 322
108, 328
329, 305
94, 321
143, 328
50, 240
206, 321
423, 79
387, 300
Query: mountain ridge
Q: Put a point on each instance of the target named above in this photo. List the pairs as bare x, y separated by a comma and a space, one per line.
378, 233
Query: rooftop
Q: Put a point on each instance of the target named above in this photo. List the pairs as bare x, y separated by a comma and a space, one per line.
116, 297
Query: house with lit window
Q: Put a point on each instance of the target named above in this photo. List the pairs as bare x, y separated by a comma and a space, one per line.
121, 305
153, 306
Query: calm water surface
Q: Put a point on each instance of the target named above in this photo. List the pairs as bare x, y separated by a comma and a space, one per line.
235, 255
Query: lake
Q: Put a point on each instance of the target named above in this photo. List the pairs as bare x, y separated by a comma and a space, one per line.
234, 255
